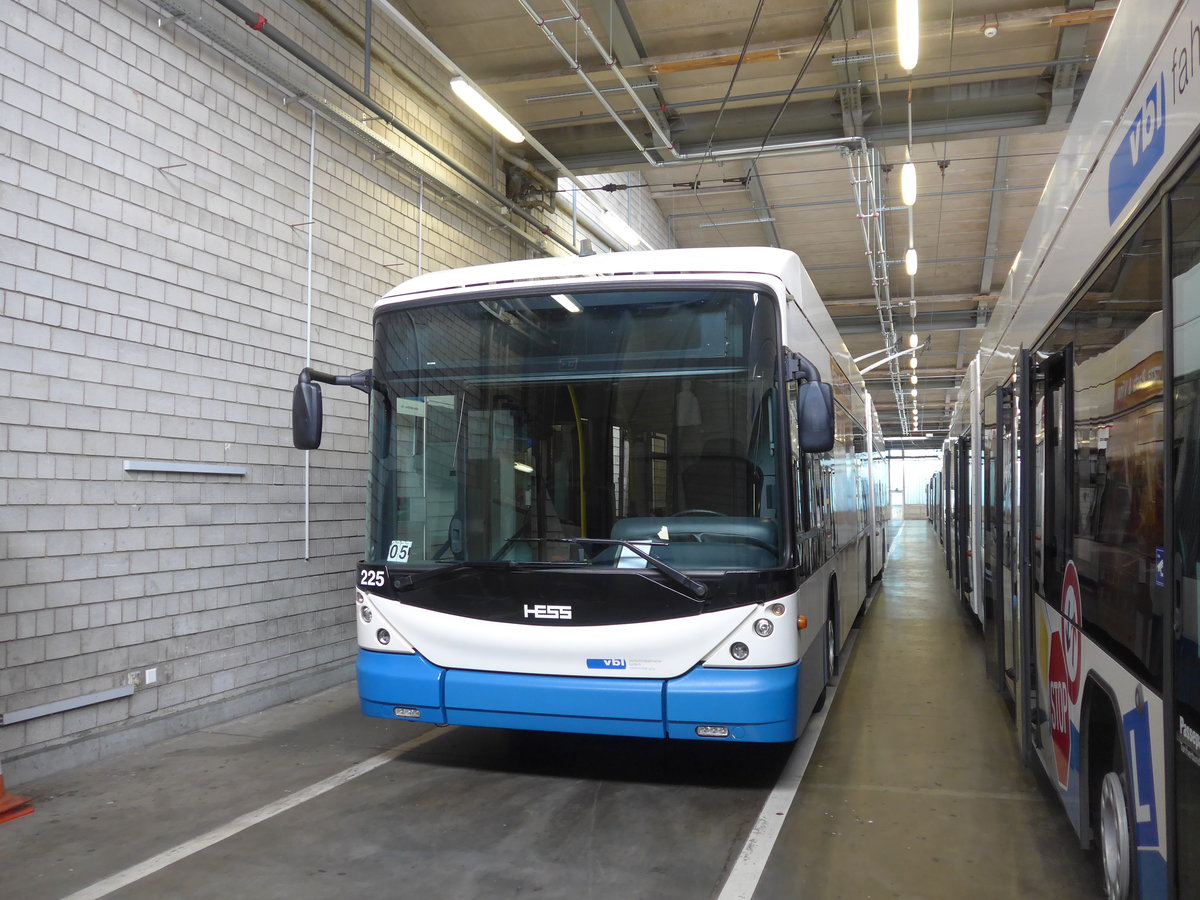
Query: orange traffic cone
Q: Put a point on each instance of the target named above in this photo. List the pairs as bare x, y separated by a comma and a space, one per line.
12, 806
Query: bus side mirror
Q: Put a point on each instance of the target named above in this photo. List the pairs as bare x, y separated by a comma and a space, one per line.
814, 416
306, 415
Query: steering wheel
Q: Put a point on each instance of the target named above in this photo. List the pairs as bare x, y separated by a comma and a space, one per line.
699, 512
710, 537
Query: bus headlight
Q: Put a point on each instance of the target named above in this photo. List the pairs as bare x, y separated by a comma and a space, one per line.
763, 627
383, 637
365, 612
777, 609
739, 650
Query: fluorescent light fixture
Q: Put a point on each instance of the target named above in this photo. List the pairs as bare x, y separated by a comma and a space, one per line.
910, 261
567, 302
486, 111
523, 467
908, 32
914, 392
620, 228
912, 361
913, 378
913, 340
908, 180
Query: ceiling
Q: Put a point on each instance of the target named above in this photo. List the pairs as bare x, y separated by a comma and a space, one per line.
727, 80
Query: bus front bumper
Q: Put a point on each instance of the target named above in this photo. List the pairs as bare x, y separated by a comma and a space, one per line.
754, 705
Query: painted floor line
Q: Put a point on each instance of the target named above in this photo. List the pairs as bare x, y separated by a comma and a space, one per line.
744, 876
128, 876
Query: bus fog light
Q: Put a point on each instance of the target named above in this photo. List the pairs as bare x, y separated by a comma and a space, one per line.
365, 612
712, 731
763, 627
382, 636
739, 650
777, 609
406, 712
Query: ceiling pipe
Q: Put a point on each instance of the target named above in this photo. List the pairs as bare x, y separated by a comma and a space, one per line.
419, 38
575, 67
823, 88
259, 23
198, 21
667, 144
679, 157
755, 151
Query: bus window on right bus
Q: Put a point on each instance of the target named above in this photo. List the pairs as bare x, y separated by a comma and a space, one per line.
1114, 343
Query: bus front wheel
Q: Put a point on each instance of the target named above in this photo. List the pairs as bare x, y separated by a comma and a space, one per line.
1116, 839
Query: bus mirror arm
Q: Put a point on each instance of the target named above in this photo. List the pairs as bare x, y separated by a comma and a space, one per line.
814, 406
306, 403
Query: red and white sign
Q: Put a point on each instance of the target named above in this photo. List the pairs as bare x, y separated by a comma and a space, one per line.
1066, 667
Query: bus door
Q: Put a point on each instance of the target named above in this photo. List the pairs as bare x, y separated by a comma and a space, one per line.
1183, 710
962, 522
1053, 425
991, 534
1184, 724
947, 497
1004, 569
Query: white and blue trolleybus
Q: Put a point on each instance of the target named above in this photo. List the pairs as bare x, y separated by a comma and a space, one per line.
1072, 478
623, 494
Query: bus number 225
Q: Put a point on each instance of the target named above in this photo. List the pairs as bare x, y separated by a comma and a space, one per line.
372, 578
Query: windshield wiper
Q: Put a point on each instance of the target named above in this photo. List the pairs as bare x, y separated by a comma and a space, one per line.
691, 585
407, 581
415, 578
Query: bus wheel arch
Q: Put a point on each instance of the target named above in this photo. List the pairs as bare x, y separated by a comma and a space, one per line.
831, 630
1107, 808
829, 641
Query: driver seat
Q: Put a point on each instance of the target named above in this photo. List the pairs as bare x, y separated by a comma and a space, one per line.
722, 480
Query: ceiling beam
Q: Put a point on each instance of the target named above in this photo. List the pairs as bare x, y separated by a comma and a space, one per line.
1071, 39
986, 109
936, 320
926, 298
850, 95
865, 40
990, 244
625, 46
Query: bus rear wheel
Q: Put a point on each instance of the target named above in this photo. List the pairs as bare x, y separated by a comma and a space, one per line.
830, 661
1116, 839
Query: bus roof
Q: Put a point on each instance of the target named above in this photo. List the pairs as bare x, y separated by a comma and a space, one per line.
781, 264
776, 264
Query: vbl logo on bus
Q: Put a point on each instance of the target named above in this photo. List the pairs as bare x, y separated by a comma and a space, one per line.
1142, 147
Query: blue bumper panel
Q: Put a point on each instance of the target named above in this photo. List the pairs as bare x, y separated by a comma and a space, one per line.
755, 704
556, 695
572, 724
626, 706
390, 680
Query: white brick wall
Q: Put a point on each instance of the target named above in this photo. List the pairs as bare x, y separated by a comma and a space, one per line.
153, 267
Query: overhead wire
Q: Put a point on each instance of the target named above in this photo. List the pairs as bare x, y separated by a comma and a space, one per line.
822, 33
721, 112
943, 162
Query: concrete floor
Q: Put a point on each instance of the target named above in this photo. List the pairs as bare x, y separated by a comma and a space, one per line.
913, 791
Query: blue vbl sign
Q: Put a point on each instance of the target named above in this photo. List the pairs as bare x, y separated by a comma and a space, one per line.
1142, 147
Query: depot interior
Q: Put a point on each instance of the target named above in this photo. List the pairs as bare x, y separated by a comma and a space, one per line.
201, 196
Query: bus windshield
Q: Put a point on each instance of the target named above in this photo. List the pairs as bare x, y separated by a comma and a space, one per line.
550, 428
